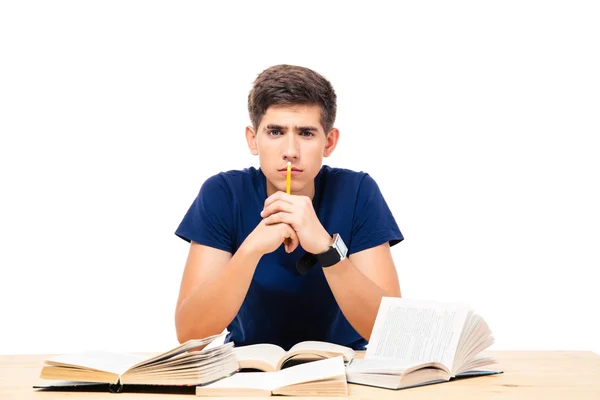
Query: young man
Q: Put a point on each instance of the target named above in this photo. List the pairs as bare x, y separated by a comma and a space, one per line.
326, 281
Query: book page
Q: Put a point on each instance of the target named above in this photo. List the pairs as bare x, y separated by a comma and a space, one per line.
416, 331
186, 359
313, 371
246, 380
98, 360
269, 353
118, 363
388, 366
310, 346
190, 345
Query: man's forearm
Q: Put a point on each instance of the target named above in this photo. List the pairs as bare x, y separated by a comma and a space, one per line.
358, 297
207, 311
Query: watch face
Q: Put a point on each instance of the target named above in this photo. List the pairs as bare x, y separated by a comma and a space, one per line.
340, 246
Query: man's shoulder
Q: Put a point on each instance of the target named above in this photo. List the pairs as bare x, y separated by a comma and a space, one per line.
234, 179
342, 172
343, 176
246, 173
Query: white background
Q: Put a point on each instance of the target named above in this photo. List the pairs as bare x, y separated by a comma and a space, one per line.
479, 121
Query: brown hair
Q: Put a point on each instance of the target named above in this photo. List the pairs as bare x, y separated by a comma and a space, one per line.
291, 85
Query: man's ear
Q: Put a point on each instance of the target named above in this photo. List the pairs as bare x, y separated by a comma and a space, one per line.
251, 139
333, 138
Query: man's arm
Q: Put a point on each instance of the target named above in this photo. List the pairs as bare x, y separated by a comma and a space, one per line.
215, 283
202, 309
360, 281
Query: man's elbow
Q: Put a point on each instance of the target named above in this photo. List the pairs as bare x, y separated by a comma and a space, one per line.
393, 289
182, 335
183, 326
187, 330
391, 292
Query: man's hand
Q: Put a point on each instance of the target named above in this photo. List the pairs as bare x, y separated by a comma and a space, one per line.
266, 238
297, 212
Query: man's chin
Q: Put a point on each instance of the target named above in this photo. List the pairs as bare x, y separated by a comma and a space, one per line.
278, 186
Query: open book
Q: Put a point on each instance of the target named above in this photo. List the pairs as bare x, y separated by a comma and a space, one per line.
270, 357
417, 342
319, 378
181, 366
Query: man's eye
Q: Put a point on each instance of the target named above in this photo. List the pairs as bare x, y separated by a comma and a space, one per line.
307, 134
274, 132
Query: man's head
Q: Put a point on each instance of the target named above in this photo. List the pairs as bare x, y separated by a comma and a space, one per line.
289, 85
292, 110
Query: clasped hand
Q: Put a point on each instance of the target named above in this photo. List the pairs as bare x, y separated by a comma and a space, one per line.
290, 216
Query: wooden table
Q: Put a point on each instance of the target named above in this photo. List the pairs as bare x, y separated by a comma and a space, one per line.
527, 375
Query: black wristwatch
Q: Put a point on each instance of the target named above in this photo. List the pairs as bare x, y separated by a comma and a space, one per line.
337, 252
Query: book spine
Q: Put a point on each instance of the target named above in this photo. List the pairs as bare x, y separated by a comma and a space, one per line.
116, 387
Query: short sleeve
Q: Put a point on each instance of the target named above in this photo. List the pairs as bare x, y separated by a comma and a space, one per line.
209, 220
373, 222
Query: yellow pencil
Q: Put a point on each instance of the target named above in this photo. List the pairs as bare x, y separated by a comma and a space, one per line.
288, 190
288, 182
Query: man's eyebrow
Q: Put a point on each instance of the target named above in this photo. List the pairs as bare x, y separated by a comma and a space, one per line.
297, 128
306, 128
272, 126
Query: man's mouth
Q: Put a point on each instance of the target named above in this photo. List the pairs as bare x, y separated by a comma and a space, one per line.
293, 169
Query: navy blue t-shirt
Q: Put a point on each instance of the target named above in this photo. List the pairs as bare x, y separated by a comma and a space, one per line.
283, 307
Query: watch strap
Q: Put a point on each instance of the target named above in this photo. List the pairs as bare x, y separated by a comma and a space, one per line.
305, 263
332, 256
329, 258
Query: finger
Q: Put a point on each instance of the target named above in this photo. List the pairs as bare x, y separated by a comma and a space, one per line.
279, 218
291, 239
278, 196
277, 206
294, 244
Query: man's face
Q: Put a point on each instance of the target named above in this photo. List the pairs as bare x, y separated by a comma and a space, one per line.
295, 134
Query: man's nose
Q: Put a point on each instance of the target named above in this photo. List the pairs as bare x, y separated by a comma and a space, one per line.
291, 150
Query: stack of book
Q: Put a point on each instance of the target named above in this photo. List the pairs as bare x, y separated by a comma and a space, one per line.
307, 369
413, 343
416, 342
180, 369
